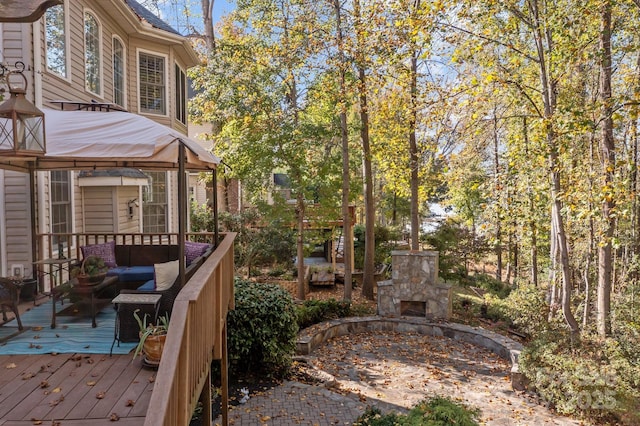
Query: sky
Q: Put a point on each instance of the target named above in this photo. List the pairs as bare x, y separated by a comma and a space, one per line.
168, 11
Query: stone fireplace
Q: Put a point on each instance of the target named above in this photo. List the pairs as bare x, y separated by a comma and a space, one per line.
413, 289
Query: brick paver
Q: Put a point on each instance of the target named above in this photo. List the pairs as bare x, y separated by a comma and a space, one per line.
292, 404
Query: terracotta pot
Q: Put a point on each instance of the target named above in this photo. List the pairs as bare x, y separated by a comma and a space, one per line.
153, 346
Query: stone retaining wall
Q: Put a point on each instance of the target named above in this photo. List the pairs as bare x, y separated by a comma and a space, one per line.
311, 338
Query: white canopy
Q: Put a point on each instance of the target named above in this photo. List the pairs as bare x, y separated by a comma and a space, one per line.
77, 140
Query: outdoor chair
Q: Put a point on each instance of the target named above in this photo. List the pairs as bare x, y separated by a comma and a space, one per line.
9, 298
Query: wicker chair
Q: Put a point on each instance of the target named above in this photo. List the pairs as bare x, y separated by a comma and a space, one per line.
9, 298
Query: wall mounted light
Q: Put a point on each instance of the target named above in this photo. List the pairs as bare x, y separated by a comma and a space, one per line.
132, 204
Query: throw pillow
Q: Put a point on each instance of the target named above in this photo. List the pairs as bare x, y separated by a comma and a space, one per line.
165, 274
105, 251
194, 250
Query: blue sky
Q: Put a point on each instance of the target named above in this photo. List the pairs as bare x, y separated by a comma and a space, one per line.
168, 12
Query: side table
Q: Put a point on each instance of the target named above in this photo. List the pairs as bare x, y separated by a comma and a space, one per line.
126, 328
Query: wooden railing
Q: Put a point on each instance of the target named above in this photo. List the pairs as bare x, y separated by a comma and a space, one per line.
197, 336
68, 244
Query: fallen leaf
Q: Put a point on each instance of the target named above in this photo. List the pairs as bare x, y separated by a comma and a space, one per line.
44, 384
130, 403
100, 395
56, 390
28, 376
91, 383
10, 366
36, 421
114, 417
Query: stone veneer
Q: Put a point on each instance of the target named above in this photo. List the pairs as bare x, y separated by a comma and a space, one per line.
414, 278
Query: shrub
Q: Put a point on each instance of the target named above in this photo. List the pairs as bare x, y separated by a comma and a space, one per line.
262, 329
591, 379
437, 411
491, 285
529, 310
316, 311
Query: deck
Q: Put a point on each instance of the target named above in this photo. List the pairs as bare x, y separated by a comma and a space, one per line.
73, 389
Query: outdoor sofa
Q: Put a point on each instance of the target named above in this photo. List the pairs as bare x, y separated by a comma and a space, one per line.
147, 269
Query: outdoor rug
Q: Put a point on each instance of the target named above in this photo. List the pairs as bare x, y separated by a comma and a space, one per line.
73, 334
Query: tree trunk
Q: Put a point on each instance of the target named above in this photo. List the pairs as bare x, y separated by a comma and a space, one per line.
346, 217
207, 17
607, 149
496, 185
548, 87
300, 244
413, 150
369, 206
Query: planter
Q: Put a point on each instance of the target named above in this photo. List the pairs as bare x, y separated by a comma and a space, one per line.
152, 348
91, 279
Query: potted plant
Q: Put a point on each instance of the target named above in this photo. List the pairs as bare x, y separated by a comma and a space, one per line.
152, 337
92, 270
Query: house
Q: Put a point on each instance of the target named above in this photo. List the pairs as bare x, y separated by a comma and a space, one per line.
94, 54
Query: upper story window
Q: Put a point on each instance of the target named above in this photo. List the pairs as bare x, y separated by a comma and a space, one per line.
118, 73
56, 40
181, 95
152, 78
92, 59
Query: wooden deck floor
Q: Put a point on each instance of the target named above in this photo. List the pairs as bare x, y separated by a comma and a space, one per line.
73, 390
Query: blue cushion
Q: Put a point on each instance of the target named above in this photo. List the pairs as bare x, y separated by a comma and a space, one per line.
115, 271
148, 286
132, 273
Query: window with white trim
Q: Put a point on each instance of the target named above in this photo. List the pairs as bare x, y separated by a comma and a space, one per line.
92, 58
181, 95
118, 73
154, 206
152, 80
55, 40
60, 182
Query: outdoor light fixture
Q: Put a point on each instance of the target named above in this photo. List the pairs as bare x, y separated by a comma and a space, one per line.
131, 204
21, 123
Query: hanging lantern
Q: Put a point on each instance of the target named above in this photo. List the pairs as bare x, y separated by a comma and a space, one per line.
21, 123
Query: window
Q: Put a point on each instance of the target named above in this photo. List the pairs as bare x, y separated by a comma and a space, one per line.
118, 73
92, 65
154, 207
152, 78
60, 203
181, 95
55, 40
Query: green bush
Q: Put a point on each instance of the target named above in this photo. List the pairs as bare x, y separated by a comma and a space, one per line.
262, 329
491, 285
590, 379
316, 311
529, 310
437, 411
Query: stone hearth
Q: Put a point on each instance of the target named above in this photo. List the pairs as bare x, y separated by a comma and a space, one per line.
413, 289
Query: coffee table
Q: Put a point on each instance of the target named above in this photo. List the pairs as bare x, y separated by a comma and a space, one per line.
84, 293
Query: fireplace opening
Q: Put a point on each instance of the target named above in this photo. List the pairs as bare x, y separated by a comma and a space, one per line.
413, 308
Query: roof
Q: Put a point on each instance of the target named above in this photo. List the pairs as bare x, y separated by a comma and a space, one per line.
146, 15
